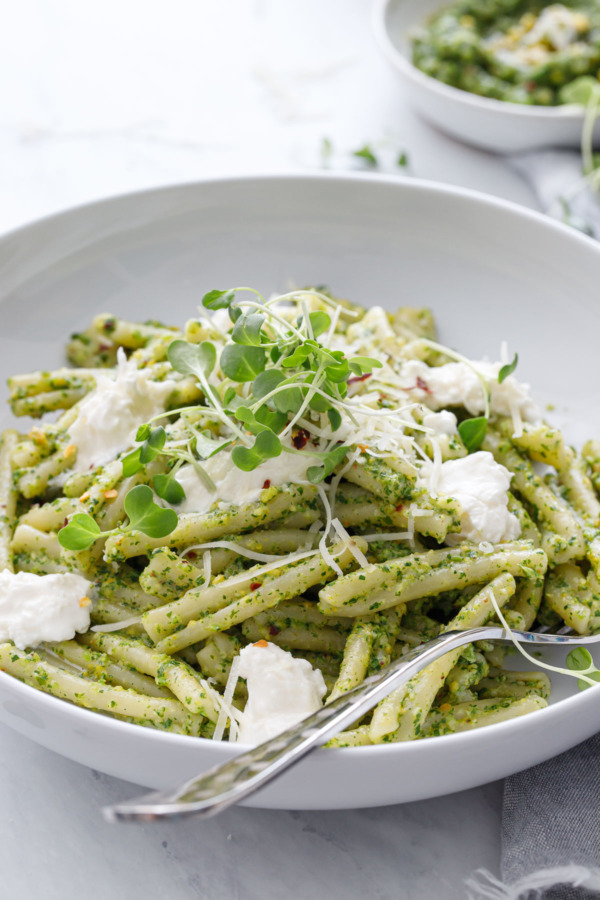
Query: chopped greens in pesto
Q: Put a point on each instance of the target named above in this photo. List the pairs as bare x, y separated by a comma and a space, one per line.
521, 51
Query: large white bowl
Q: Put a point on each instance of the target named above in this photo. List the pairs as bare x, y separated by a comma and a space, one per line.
492, 124
491, 271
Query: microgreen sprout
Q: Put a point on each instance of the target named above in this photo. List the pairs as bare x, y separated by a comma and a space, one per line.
580, 660
143, 513
365, 153
508, 369
282, 368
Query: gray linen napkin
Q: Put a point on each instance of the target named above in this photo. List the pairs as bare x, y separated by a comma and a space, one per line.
550, 831
558, 184
551, 813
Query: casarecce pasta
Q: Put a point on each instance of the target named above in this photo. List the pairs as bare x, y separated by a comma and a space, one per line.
297, 472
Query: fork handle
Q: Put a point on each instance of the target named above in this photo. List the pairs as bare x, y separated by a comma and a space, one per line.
224, 785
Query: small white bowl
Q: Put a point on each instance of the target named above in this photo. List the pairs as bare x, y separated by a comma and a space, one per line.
491, 124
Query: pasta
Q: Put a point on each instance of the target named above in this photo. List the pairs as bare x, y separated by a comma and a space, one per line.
300, 474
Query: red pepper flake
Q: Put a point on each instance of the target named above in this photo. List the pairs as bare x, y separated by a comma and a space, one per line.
267, 484
300, 438
273, 629
191, 554
399, 508
423, 385
255, 585
104, 347
359, 378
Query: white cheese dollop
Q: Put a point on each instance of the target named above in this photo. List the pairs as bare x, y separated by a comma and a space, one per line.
235, 486
557, 25
282, 691
480, 486
109, 416
36, 608
457, 384
443, 422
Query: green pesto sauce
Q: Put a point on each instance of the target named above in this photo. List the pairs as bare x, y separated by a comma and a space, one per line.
521, 51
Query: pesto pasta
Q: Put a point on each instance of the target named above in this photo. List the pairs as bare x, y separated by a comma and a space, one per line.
299, 475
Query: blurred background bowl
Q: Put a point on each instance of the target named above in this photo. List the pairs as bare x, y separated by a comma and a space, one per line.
490, 124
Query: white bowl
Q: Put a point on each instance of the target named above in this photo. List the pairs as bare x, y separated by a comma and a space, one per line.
492, 124
491, 271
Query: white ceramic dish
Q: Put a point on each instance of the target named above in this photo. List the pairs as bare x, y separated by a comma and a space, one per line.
491, 271
491, 124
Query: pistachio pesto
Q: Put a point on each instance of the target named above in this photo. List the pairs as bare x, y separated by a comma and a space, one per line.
520, 51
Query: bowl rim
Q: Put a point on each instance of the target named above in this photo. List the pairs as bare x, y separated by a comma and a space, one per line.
579, 702
570, 112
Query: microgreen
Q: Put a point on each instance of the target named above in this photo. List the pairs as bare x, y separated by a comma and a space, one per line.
153, 445
472, 432
364, 365
402, 160
508, 369
580, 660
266, 446
218, 299
319, 322
316, 474
79, 533
168, 488
242, 363
154, 441
247, 329
365, 153
147, 516
192, 359
144, 515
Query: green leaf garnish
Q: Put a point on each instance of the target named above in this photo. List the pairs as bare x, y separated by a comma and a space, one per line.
402, 161
206, 447
143, 433
192, 359
247, 329
266, 446
146, 516
326, 151
364, 365
580, 660
168, 488
367, 154
335, 418
582, 90
276, 421
316, 474
319, 322
472, 432
79, 533
153, 445
241, 363
508, 369
218, 299
132, 462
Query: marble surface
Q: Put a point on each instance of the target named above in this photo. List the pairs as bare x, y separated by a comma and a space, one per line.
102, 98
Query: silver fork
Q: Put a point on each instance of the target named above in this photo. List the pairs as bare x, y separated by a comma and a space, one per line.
224, 785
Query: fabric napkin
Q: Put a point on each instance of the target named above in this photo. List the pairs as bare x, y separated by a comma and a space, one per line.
550, 831
551, 813
558, 184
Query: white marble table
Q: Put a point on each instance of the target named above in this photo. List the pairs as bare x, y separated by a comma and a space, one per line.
101, 98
